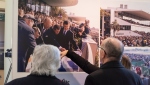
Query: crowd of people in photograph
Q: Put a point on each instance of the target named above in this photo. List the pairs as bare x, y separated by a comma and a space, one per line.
140, 57
36, 28
140, 64
134, 41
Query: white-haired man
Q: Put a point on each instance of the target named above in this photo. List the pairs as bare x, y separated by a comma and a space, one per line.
45, 63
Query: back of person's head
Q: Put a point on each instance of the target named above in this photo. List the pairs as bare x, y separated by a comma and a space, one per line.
46, 60
112, 49
126, 61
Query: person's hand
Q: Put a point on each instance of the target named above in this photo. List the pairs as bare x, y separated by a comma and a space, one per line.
62, 49
63, 53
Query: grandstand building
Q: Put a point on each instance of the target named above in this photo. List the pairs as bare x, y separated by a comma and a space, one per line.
129, 20
44, 6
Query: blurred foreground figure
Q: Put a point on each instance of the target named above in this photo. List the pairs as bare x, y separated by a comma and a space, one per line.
45, 63
112, 72
126, 62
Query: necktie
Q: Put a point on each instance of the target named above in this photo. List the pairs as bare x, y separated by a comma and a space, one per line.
64, 32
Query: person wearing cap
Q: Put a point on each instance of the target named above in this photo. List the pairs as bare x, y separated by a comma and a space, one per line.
26, 40
111, 72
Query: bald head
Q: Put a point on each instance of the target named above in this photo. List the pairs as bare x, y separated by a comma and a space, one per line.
113, 47
47, 23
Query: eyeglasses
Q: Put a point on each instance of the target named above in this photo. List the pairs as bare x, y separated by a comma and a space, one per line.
102, 49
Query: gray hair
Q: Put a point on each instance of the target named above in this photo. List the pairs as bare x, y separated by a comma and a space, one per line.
46, 60
114, 48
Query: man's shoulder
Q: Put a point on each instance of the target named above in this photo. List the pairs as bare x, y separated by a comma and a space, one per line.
16, 81
24, 26
99, 73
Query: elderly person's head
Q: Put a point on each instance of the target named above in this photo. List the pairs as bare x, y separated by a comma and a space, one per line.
47, 23
29, 19
111, 50
46, 60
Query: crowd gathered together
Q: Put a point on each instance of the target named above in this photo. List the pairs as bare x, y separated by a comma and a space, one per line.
40, 28
133, 41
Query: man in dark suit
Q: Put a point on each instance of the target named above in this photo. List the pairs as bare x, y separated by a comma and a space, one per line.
47, 24
26, 40
51, 36
66, 37
112, 72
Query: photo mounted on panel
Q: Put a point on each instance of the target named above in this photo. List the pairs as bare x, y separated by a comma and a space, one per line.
140, 62
129, 21
70, 26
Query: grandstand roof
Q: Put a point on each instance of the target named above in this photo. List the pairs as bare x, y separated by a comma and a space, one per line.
140, 13
61, 3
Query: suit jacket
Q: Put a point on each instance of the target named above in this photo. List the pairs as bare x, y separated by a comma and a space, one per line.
67, 39
37, 80
26, 42
50, 38
110, 73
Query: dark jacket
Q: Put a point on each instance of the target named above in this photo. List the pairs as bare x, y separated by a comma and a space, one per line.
37, 80
50, 38
67, 40
110, 73
26, 43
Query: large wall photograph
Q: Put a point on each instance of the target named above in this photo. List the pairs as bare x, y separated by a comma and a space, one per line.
43, 16
140, 60
129, 21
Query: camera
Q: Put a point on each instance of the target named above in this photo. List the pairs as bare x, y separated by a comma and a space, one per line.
8, 53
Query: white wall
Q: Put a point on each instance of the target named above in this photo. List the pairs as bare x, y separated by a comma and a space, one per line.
8, 34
